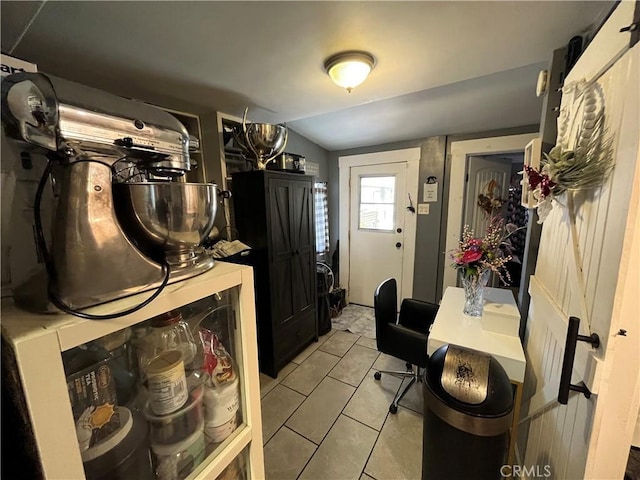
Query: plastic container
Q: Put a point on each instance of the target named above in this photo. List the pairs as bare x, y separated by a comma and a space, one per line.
221, 410
122, 455
178, 426
219, 433
167, 382
175, 461
92, 393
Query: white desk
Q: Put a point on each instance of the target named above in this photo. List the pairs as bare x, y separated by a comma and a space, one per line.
451, 326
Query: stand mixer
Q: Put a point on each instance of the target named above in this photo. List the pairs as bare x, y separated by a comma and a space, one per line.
123, 222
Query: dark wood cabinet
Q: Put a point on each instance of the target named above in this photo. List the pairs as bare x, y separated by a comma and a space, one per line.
274, 215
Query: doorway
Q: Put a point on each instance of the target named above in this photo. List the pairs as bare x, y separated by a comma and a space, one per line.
377, 227
493, 189
460, 152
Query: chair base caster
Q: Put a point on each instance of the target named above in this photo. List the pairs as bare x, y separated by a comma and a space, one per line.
393, 408
377, 375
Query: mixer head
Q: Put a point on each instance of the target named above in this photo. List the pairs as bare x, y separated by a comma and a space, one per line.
80, 121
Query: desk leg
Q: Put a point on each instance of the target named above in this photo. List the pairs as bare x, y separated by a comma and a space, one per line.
513, 437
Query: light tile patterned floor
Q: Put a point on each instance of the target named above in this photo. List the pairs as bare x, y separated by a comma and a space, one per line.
325, 417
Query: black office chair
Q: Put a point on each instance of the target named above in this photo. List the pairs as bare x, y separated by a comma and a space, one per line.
403, 336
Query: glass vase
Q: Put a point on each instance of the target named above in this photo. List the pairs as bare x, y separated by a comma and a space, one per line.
474, 292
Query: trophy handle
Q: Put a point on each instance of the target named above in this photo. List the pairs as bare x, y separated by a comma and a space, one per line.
248, 141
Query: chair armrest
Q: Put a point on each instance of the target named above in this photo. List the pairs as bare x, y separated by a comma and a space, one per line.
417, 314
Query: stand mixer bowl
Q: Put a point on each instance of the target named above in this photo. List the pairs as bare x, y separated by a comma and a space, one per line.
165, 219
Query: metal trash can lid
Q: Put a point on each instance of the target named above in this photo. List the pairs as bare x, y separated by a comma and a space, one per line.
469, 390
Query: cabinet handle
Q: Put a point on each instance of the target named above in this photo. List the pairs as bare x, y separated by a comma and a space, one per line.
567, 363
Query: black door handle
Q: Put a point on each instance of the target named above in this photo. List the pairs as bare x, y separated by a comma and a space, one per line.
398, 245
569, 356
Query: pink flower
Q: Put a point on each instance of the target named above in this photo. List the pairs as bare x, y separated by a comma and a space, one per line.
471, 256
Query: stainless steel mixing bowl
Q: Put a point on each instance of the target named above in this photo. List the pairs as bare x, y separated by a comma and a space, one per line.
165, 217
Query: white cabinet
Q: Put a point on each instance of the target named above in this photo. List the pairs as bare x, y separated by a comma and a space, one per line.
38, 343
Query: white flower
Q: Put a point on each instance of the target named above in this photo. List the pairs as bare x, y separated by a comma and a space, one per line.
544, 208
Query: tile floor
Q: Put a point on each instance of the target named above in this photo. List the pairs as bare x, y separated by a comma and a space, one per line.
325, 417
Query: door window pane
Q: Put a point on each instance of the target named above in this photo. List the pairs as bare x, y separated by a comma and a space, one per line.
377, 197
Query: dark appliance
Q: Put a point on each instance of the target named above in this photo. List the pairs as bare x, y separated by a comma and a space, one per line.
289, 162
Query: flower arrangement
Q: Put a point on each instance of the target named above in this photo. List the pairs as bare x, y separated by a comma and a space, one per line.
489, 253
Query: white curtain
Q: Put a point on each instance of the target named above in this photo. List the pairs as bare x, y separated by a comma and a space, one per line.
321, 216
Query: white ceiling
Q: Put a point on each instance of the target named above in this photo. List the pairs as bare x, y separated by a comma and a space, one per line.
442, 67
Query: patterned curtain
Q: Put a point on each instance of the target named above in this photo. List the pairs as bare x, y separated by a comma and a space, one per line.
322, 217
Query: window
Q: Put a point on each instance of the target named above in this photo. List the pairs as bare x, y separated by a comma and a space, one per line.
377, 201
321, 217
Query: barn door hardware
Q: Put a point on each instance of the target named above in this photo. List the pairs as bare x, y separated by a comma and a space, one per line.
569, 356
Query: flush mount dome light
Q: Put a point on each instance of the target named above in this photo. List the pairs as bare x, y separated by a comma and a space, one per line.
349, 69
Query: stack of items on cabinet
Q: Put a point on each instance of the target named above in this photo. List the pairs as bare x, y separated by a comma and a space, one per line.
152, 401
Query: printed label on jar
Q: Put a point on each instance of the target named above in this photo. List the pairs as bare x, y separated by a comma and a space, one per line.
167, 382
221, 404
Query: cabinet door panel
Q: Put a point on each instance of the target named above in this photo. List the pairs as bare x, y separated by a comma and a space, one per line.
302, 215
304, 282
282, 296
304, 245
282, 275
279, 194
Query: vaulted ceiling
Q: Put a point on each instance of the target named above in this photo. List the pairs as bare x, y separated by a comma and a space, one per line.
442, 67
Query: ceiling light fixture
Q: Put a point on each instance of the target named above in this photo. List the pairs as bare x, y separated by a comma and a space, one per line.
349, 69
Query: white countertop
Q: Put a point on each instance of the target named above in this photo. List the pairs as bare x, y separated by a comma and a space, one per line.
451, 326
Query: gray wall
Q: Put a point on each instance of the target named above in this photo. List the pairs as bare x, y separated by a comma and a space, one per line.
296, 143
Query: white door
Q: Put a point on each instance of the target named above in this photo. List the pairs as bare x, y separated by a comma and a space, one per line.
588, 268
374, 263
485, 176
378, 200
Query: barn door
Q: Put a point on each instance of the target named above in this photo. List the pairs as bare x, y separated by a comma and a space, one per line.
585, 269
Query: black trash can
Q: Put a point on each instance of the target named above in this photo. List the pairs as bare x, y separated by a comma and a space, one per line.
468, 407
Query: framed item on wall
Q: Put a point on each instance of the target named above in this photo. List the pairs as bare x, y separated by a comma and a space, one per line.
532, 154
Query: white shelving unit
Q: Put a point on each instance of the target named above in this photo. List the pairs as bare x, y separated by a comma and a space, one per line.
39, 340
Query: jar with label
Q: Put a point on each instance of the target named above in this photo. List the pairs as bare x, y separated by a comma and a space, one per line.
169, 332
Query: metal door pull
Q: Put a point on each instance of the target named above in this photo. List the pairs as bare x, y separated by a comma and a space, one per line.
569, 356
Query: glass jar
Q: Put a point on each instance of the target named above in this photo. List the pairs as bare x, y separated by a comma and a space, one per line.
168, 332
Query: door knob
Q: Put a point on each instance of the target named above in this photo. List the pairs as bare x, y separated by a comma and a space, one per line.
398, 245
398, 230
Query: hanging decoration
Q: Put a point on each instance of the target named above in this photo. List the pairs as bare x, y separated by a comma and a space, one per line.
585, 162
490, 201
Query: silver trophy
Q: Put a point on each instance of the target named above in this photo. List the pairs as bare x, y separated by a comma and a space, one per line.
265, 141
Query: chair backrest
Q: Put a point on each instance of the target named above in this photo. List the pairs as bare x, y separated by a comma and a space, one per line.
405, 335
384, 306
